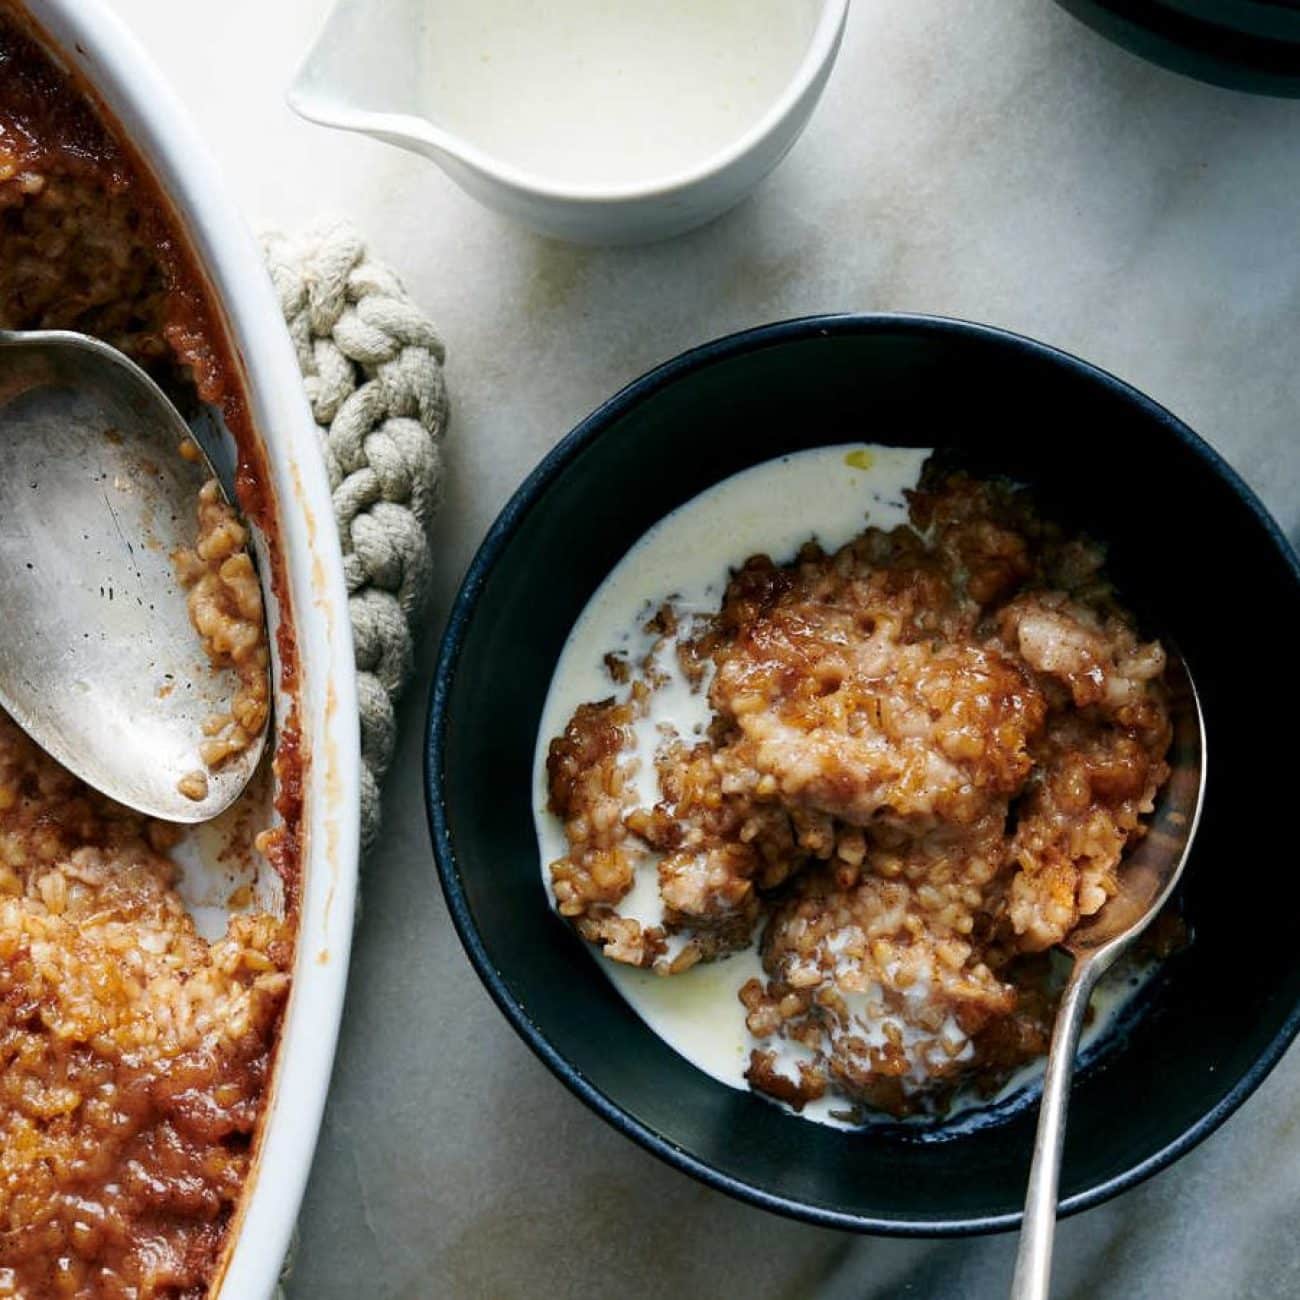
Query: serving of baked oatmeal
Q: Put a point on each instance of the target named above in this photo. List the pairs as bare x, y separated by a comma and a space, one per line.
926, 752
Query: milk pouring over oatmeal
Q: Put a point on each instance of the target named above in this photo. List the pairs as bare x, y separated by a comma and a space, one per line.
608, 92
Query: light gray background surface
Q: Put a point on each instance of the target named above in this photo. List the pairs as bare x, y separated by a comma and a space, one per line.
989, 160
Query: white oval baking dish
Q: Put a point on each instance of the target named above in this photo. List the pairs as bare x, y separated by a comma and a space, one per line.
85, 36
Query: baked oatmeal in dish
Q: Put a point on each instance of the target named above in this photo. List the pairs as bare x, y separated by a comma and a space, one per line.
135, 1050
915, 763
225, 607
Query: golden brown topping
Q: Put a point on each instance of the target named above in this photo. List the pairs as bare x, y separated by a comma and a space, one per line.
135, 1052
225, 604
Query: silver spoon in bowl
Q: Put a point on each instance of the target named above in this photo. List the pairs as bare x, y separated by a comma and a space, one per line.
1147, 878
99, 663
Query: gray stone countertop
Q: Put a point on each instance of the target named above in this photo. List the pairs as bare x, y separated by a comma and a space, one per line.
992, 161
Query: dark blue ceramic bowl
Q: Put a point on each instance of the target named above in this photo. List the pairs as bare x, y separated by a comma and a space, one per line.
1246, 44
1194, 551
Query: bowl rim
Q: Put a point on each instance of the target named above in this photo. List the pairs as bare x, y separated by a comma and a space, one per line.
524, 499
1196, 47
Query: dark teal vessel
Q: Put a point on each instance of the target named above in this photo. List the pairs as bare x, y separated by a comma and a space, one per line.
1246, 44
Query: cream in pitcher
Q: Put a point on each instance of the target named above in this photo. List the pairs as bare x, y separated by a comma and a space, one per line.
610, 92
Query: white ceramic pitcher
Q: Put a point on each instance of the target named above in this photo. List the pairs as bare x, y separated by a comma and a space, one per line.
366, 73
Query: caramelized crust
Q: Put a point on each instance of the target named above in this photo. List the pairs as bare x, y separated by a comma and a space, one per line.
133, 1053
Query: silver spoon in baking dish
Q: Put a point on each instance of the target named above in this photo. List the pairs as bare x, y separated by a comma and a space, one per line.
1147, 878
99, 663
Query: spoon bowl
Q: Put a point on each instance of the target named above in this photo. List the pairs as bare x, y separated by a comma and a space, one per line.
99, 663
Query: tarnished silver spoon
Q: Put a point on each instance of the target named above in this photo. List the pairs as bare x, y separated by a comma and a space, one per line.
99, 663
1147, 878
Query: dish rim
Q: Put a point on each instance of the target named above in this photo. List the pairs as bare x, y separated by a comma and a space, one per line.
529, 494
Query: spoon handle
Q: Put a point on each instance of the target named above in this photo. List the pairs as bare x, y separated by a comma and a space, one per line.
1033, 1277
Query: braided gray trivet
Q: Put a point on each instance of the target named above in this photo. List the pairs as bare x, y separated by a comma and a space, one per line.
372, 367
